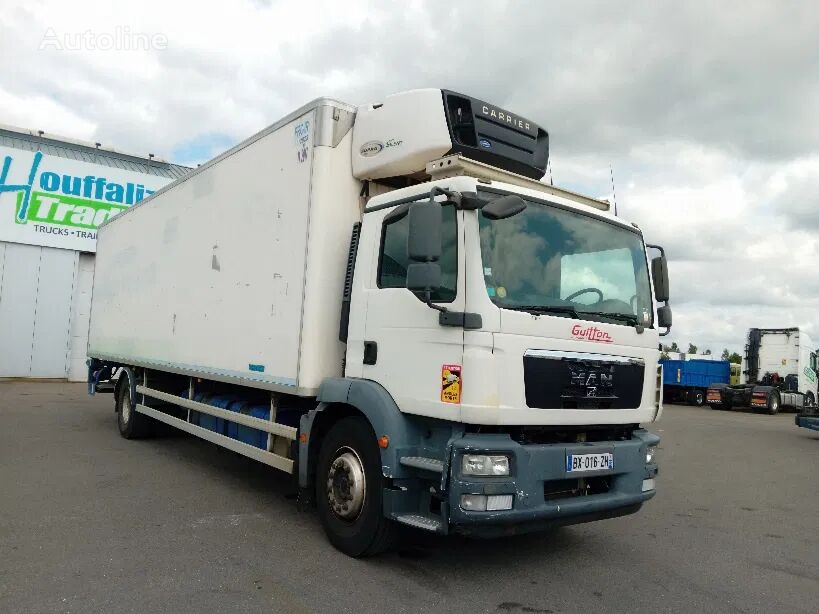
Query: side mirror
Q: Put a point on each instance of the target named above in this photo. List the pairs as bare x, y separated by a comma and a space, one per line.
664, 316
659, 273
423, 277
503, 207
424, 248
424, 235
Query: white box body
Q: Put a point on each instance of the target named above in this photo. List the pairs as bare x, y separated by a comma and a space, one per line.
236, 271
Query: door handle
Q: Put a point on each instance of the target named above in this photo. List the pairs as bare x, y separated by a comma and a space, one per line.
370, 352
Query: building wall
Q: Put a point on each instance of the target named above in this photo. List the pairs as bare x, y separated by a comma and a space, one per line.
80, 318
45, 308
36, 292
54, 194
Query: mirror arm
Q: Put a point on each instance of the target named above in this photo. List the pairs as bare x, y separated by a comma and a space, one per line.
452, 195
432, 305
659, 248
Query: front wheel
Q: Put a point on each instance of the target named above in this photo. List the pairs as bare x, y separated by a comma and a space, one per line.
349, 486
696, 397
810, 401
132, 425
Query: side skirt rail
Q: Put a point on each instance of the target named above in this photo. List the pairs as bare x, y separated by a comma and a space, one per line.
281, 430
268, 458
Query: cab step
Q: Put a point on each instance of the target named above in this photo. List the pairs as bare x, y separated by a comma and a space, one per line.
421, 521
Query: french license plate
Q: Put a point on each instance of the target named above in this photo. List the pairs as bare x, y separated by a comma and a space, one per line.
578, 463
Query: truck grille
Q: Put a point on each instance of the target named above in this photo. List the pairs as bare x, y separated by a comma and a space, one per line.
577, 380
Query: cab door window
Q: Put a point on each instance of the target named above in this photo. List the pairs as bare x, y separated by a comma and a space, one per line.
393, 259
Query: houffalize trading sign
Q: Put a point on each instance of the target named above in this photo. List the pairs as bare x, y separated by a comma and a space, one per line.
57, 202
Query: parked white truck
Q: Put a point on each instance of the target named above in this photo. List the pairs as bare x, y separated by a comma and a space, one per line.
386, 302
778, 370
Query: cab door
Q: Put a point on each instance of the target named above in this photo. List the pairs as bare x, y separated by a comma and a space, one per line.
406, 349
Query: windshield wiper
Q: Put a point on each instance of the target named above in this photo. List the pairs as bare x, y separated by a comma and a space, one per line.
623, 317
541, 309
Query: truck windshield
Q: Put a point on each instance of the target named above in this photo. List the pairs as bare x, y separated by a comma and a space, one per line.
551, 260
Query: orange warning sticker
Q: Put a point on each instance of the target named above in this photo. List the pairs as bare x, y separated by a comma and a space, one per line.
451, 383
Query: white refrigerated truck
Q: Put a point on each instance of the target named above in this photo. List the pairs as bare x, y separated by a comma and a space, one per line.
386, 302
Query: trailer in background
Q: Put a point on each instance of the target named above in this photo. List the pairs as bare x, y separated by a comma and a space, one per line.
687, 381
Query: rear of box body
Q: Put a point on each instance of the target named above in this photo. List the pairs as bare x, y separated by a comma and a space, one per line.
235, 272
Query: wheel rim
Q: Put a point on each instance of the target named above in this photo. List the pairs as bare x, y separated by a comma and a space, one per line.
126, 408
346, 485
774, 403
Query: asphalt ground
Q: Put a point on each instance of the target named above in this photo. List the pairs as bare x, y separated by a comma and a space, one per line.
90, 522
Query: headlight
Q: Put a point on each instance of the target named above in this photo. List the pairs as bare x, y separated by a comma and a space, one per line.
651, 452
484, 464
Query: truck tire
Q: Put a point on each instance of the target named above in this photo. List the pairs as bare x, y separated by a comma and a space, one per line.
349, 486
132, 425
810, 401
696, 397
774, 402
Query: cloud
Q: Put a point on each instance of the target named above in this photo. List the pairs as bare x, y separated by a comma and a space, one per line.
797, 198
708, 113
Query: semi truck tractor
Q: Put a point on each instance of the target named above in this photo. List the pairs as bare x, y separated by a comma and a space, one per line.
778, 371
386, 302
687, 381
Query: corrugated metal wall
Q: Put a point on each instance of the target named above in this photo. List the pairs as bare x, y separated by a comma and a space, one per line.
45, 296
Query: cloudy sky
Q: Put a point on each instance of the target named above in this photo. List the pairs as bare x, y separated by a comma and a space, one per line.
707, 112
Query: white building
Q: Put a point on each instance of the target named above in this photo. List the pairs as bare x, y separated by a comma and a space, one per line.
54, 193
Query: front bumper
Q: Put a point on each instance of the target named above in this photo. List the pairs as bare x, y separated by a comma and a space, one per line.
541, 468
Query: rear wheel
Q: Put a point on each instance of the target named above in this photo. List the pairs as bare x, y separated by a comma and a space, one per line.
349, 486
773, 402
132, 425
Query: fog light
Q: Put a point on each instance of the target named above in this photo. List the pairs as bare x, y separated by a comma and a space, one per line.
651, 452
484, 503
648, 485
483, 464
498, 502
473, 503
